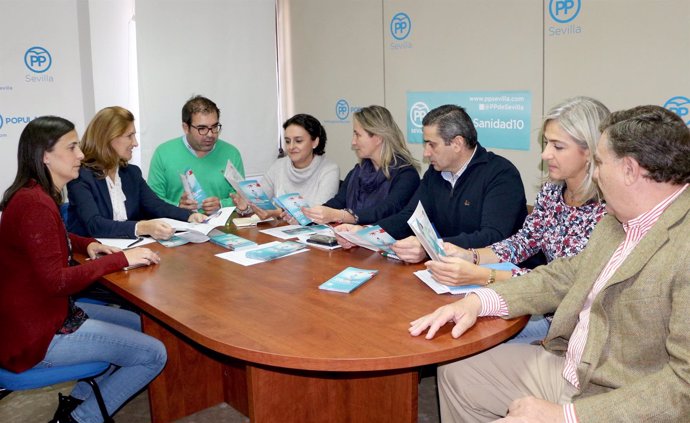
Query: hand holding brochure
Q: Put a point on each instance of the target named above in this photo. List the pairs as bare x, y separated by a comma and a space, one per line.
250, 189
374, 238
192, 187
439, 288
275, 251
425, 233
347, 280
293, 203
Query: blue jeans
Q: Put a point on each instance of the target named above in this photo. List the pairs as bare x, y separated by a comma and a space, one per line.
534, 331
112, 335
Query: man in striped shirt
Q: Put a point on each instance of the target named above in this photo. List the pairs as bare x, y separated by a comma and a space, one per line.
619, 346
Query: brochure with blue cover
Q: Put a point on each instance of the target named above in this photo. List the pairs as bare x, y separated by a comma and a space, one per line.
425, 233
252, 191
231, 241
275, 251
347, 280
293, 203
192, 187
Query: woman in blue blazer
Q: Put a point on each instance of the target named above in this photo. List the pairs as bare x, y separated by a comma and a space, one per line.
111, 199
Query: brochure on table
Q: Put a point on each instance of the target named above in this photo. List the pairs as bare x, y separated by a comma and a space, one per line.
240, 257
348, 280
246, 222
218, 218
439, 288
425, 233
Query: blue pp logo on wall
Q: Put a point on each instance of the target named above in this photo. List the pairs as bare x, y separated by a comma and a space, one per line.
342, 109
2, 121
401, 25
564, 11
681, 106
417, 113
38, 59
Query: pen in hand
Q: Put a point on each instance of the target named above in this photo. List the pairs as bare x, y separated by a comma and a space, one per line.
136, 241
208, 219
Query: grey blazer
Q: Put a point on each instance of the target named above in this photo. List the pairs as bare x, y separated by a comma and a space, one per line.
636, 362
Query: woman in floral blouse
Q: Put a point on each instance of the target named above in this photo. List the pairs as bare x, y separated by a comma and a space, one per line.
566, 209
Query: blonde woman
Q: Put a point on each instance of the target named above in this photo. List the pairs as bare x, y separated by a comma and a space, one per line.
382, 182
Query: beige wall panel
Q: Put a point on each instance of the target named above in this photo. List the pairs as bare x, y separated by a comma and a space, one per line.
623, 52
336, 53
469, 45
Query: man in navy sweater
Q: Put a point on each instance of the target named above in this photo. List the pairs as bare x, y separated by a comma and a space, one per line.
472, 197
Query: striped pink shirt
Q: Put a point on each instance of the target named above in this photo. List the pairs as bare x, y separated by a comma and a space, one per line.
635, 230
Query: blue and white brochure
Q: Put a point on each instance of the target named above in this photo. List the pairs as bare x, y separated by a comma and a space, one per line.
347, 280
275, 251
425, 233
231, 241
293, 203
192, 187
252, 191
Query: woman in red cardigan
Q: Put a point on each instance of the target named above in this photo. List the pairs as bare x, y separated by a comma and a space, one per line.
40, 324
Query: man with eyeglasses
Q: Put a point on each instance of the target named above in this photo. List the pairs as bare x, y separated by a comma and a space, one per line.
200, 151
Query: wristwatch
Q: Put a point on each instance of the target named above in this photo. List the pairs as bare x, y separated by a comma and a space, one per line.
492, 277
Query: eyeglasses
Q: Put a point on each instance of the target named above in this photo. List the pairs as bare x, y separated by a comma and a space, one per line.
203, 130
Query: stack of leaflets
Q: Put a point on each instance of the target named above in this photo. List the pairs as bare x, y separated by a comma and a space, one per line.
347, 280
253, 220
425, 233
374, 238
250, 189
275, 251
192, 187
231, 241
293, 203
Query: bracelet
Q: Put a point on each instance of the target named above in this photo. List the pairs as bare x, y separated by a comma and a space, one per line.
492, 277
244, 212
475, 256
353, 215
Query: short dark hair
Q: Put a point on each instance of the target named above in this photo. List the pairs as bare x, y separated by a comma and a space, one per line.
39, 136
313, 128
655, 137
198, 104
451, 121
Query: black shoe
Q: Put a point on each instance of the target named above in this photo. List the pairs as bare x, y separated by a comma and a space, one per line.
66, 404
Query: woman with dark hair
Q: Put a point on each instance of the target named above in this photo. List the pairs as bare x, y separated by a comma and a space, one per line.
382, 182
111, 199
305, 169
40, 324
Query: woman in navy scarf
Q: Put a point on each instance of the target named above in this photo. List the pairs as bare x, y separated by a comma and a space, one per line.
382, 182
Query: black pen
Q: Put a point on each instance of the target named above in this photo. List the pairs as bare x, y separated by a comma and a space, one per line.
136, 241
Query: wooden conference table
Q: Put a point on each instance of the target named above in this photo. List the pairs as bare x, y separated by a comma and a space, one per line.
267, 341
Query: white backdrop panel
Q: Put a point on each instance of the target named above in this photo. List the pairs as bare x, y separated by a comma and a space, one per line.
222, 49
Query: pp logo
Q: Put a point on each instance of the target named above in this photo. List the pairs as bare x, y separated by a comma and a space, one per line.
417, 113
401, 26
679, 105
342, 109
37, 59
2, 120
564, 11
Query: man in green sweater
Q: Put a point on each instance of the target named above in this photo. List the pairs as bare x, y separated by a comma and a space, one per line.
200, 151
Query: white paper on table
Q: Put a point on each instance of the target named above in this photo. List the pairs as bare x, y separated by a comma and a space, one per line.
246, 222
240, 257
439, 288
124, 242
280, 231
